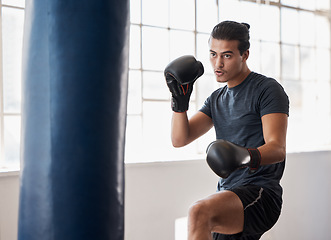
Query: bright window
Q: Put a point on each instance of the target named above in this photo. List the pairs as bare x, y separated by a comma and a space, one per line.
290, 41
12, 16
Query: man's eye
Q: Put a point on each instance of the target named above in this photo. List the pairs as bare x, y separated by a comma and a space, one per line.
212, 54
227, 56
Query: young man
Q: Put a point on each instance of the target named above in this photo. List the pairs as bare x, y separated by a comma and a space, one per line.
250, 119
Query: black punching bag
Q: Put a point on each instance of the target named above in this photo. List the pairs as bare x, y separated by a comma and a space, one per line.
75, 61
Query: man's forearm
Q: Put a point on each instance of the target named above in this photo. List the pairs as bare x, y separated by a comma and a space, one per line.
272, 152
179, 129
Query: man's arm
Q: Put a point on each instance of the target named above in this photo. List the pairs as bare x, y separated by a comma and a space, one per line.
185, 130
180, 75
274, 132
224, 157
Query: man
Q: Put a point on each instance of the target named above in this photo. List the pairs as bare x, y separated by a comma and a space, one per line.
250, 119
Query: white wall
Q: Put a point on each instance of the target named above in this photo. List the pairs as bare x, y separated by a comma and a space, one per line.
159, 193
9, 193
307, 198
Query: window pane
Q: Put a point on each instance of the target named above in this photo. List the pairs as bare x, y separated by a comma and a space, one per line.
307, 28
292, 3
12, 27
308, 4
270, 59
205, 85
134, 47
290, 23
323, 64
230, 10
12, 134
203, 52
308, 63
133, 140
155, 13
253, 61
312, 111
177, 19
206, 15
294, 92
323, 4
155, 43
17, 3
323, 104
295, 125
323, 32
134, 93
135, 11
270, 24
157, 141
290, 62
252, 18
155, 86
181, 43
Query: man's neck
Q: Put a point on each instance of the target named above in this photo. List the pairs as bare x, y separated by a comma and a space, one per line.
240, 78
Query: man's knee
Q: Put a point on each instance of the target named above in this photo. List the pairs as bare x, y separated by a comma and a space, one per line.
221, 212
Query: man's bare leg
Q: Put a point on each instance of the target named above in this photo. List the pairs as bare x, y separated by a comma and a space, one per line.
221, 212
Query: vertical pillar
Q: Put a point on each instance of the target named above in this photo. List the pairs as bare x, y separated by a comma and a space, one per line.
75, 61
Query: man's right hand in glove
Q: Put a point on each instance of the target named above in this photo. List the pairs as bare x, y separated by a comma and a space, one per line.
180, 75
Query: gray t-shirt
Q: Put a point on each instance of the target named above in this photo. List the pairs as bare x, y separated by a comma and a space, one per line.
236, 113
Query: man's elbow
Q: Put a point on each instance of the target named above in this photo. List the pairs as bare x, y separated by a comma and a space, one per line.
282, 153
178, 142
175, 145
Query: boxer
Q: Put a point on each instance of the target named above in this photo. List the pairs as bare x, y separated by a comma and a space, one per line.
249, 115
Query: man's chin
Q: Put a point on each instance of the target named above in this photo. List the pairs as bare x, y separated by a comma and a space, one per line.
221, 80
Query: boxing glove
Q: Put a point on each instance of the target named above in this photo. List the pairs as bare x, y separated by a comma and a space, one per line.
180, 75
224, 157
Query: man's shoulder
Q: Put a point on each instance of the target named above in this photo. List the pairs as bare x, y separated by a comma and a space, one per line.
261, 83
262, 80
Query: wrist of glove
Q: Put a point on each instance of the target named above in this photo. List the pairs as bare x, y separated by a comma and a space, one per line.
255, 161
180, 99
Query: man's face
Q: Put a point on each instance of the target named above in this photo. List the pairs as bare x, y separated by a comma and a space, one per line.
229, 66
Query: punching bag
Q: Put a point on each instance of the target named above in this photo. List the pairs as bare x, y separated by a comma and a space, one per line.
75, 68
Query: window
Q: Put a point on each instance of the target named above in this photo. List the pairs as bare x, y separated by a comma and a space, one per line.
12, 16
290, 41
160, 32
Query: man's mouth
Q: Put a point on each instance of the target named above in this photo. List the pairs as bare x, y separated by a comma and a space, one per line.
219, 73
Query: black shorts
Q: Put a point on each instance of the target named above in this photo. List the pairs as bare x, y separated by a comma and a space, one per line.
261, 212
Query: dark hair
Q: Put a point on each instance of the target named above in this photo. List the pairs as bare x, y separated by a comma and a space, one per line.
230, 30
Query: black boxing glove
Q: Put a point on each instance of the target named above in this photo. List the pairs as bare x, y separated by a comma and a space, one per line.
224, 157
180, 75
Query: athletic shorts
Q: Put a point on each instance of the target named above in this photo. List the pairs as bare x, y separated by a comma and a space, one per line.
261, 211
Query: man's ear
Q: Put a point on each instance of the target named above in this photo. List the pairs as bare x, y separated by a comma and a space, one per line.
245, 55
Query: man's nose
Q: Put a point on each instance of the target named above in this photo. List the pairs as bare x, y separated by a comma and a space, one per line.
219, 62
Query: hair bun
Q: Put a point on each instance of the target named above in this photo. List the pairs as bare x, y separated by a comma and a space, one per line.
246, 24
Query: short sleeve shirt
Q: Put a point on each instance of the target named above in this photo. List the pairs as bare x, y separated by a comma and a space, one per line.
236, 113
